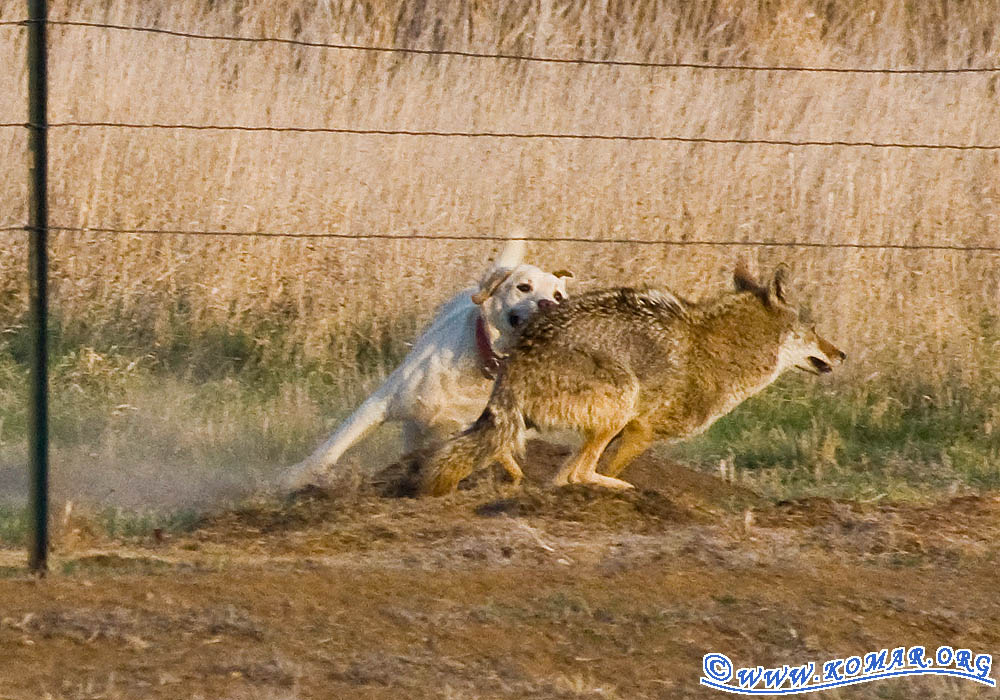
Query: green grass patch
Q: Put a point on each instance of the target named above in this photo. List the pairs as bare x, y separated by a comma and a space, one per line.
110, 522
13, 525
241, 394
801, 438
123, 523
231, 406
114, 565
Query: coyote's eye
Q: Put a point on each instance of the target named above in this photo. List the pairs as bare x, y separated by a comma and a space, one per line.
524, 287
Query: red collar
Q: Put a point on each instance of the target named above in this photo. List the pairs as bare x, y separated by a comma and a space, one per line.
489, 361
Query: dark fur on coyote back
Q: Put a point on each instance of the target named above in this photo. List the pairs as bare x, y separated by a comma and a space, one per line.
644, 364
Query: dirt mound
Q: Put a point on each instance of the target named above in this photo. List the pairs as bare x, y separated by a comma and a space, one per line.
648, 473
635, 510
355, 513
306, 508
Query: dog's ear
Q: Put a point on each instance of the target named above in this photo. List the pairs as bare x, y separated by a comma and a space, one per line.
562, 273
512, 254
490, 284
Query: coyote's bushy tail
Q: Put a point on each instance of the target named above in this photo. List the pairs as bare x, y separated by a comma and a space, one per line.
498, 433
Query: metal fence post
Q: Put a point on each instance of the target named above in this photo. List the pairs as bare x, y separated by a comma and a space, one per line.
38, 223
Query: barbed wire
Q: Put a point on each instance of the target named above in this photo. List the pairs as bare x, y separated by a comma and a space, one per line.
519, 135
511, 56
441, 237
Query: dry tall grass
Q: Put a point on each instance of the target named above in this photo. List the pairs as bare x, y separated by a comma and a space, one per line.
925, 309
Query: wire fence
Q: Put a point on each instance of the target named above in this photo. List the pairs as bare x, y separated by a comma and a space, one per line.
950, 247
622, 63
516, 135
554, 136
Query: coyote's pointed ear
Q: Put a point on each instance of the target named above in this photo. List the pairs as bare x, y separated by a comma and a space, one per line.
490, 284
562, 273
779, 283
743, 280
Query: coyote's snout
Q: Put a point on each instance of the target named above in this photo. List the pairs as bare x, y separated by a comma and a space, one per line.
642, 364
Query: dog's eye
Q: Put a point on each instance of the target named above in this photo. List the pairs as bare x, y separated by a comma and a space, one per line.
524, 287
558, 296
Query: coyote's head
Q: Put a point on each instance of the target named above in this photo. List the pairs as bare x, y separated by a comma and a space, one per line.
801, 346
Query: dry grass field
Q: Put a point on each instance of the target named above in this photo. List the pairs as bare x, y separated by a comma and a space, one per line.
323, 295
177, 354
824, 517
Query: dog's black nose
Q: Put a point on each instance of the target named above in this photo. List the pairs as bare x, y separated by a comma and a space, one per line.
545, 303
514, 320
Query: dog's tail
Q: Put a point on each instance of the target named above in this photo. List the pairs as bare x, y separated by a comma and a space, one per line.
368, 416
498, 433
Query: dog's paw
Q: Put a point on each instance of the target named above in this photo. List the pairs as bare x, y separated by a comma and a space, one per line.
299, 477
309, 492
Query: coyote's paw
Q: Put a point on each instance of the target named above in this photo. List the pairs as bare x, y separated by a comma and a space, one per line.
608, 482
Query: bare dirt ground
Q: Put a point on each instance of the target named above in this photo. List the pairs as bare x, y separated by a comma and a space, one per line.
496, 593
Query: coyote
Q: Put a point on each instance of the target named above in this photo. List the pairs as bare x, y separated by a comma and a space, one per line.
644, 364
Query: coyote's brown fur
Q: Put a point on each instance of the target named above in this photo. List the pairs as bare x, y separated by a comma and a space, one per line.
640, 363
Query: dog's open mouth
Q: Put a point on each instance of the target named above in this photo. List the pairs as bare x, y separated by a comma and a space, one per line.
820, 366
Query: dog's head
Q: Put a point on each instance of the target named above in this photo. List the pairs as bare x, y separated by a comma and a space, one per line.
509, 296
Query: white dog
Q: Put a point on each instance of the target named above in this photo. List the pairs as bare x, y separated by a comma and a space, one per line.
445, 381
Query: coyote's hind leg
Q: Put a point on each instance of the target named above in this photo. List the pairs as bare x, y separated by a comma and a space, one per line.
580, 469
635, 439
510, 464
